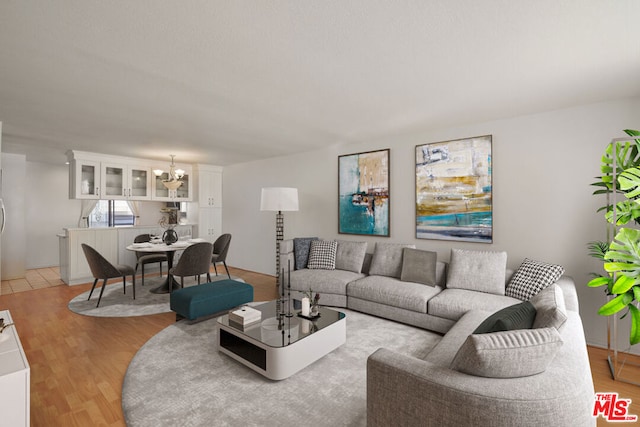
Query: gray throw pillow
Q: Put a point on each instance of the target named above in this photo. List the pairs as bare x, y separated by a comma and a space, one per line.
517, 316
322, 255
419, 266
482, 271
350, 255
387, 259
508, 354
301, 246
532, 277
550, 308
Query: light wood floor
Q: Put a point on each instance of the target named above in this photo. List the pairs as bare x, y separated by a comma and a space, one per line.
78, 362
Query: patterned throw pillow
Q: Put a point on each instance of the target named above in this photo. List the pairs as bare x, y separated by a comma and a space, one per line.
532, 277
322, 255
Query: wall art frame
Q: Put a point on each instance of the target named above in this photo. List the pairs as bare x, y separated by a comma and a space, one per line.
454, 190
363, 193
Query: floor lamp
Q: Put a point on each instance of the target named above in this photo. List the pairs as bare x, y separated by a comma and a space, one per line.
279, 199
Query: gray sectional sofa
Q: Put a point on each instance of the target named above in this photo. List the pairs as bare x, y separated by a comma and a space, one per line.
533, 375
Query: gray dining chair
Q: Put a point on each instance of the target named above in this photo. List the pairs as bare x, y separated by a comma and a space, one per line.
194, 261
220, 249
101, 268
143, 258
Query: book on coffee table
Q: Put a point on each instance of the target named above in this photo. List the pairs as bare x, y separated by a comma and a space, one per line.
245, 316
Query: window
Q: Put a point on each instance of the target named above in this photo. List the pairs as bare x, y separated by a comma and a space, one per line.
111, 213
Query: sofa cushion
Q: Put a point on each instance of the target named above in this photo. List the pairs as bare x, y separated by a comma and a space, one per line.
550, 307
419, 266
508, 354
393, 292
532, 277
323, 281
322, 255
517, 316
453, 303
350, 255
482, 271
387, 259
301, 246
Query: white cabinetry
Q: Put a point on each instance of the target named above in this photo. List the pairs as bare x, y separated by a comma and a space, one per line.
15, 391
209, 223
209, 186
122, 181
74, 268
101, 176
84, 180
182, 194
209, 212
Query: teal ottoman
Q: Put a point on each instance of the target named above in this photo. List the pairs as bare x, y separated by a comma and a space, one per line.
206, 299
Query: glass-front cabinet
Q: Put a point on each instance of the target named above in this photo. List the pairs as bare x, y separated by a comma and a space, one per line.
182, 193
121, 181
85, 182
106, 177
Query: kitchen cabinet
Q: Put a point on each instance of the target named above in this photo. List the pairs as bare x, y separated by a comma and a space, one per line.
121, 182
207, 213
101, 176
209, 186
84, 180
182, 194
209, 223
15, 374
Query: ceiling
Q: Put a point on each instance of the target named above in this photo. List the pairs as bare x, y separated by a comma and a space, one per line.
223, 82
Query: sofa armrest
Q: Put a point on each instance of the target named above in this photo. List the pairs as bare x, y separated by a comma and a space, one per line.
569, 292
407, 391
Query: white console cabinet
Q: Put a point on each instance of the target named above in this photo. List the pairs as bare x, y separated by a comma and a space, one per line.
15, 390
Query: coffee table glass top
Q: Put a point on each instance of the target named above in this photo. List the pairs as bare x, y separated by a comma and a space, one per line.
280, 331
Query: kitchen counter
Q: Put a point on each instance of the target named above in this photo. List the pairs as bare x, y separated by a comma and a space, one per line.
111, 242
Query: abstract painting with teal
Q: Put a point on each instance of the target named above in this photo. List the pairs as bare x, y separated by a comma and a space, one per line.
364, 193
453, 190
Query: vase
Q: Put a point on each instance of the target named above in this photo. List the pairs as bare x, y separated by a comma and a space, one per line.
315, 310
170, 236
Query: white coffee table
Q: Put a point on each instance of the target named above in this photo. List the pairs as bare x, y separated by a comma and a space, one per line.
279, 346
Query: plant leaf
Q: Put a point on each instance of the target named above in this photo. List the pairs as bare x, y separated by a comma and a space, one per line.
629, 181
623, 284
634, 336
598, 281
615, 305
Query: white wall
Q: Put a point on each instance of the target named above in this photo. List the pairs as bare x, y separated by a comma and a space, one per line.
13, 237
543, 207
48, 210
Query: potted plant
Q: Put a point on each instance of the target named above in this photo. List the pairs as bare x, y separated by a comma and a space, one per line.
621, 256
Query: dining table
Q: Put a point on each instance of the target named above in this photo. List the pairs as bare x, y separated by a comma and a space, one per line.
170, 282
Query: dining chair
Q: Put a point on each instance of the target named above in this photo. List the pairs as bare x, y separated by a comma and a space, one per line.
143, 258
194, 261
220, 249
101, 268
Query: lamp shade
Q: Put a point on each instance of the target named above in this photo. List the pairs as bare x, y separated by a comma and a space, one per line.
279, 199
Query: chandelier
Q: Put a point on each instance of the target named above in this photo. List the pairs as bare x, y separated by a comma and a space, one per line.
174, 180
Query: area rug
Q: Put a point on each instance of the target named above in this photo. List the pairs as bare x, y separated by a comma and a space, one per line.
115, 303
179, 378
